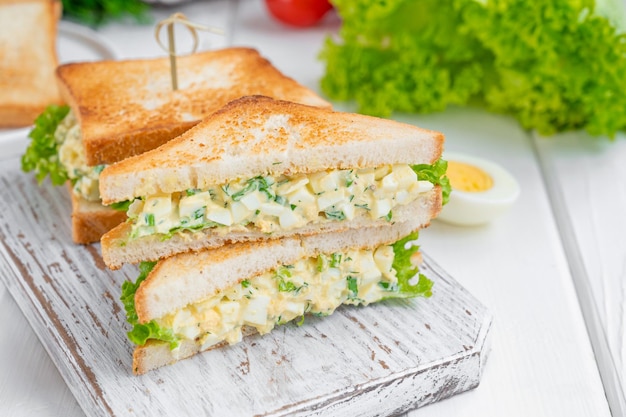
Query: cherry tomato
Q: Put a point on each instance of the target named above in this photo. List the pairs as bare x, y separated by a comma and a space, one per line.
300, 13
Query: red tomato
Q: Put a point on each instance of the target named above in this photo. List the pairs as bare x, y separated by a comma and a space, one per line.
299, 13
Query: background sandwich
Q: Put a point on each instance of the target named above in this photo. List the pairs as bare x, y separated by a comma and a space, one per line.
28, 58
117, 109
193, 302
261, 168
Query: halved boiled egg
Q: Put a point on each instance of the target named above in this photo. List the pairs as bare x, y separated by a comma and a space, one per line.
481, 190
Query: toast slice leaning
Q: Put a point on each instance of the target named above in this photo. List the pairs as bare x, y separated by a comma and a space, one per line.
125, 108
201, 301
261, 168
28, 58
122, 108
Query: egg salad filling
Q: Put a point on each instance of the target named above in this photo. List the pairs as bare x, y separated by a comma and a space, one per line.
272, 203
85, 179
316, 286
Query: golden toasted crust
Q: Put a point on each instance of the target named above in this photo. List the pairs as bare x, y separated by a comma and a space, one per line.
91, 220
258, 136
117, 249
128, 107
27, 59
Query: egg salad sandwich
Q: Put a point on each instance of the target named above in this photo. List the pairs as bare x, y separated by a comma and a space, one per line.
263, 168
193, 302
117, 109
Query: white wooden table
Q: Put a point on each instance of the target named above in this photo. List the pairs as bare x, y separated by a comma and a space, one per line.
552, 270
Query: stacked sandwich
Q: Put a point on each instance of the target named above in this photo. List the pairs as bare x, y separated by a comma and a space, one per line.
266, 211
117, 109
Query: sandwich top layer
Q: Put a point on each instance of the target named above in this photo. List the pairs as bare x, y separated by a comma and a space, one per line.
128, 107
257, 135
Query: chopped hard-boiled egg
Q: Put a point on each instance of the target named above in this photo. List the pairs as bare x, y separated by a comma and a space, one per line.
316, 285
481, 191
72, 157
283, 202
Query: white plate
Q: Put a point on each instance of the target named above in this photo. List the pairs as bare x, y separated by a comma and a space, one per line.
74, 43
80, 43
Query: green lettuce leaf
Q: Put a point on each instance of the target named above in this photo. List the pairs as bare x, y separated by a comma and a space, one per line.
41, 154
435, 174
406, 271
554, 65
141, 332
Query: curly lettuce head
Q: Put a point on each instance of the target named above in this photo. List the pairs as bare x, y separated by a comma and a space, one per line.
554, 65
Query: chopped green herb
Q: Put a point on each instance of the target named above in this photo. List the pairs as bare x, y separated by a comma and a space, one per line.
149, 219
352, 286
199, 213
245, 283
121, 205
226, 189
322, 262
335, 215
335, 260
259, 183
349, 178
286, 286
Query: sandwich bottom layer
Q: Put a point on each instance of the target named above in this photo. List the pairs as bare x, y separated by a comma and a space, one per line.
91, 220
354, 267
156, 354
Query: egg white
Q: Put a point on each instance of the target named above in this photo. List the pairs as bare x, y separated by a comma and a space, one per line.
477, 208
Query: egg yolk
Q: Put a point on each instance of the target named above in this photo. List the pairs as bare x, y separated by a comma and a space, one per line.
468, 178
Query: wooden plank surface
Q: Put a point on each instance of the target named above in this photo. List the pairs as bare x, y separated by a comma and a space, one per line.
587, 180
382, 359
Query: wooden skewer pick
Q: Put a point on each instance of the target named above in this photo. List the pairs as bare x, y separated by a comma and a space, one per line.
171, 47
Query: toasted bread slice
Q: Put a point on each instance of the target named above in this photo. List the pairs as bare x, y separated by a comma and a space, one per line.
91, 220
255, 136
188, 278
259, 136
125, 108
118, 249
28, 59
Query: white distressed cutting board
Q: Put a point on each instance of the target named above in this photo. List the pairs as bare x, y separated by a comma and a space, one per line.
378, 360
